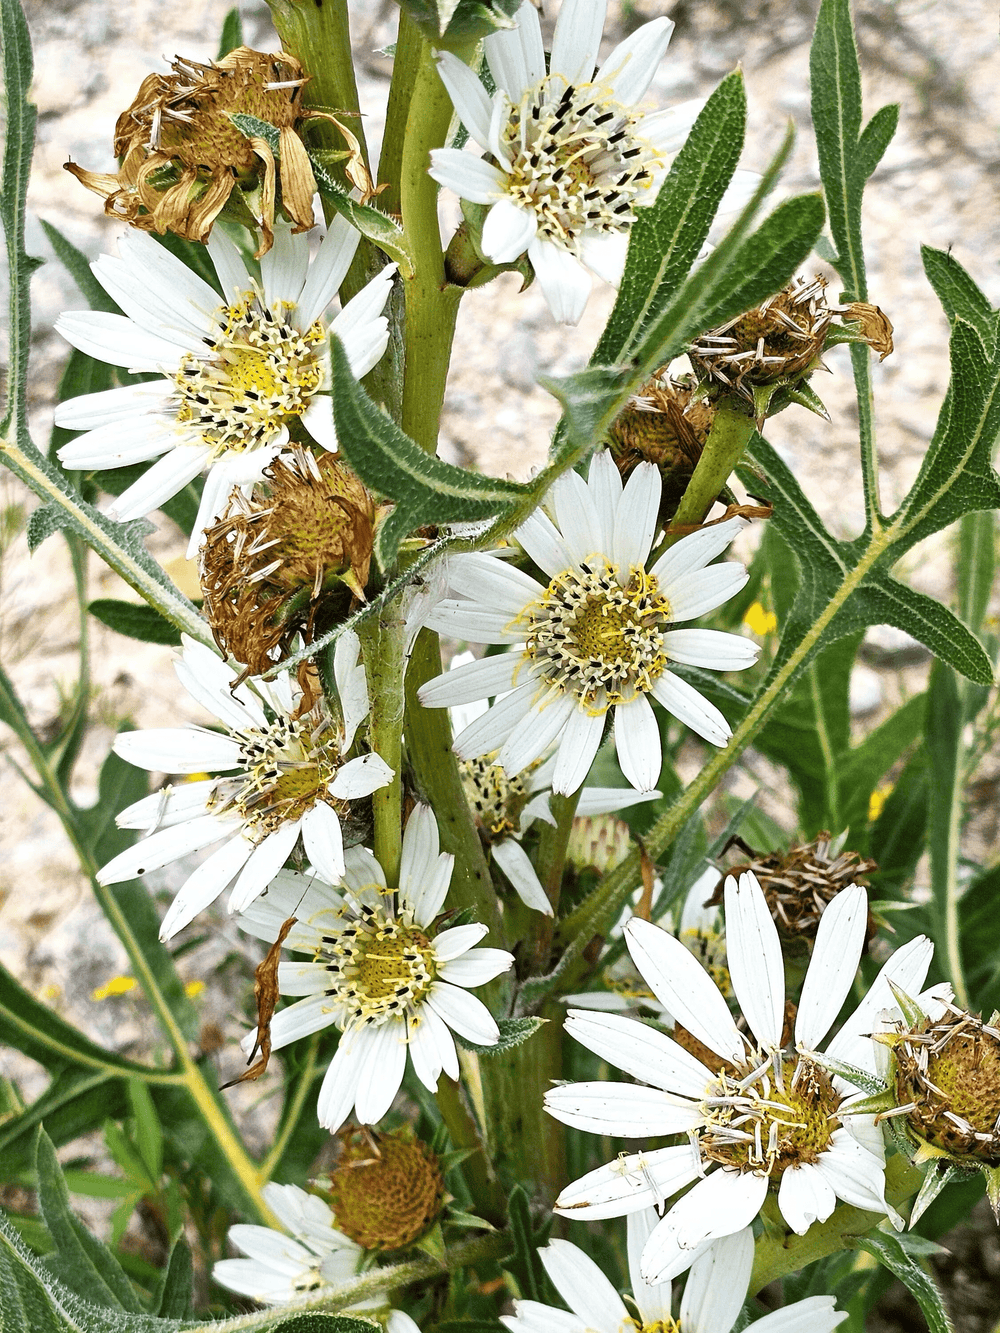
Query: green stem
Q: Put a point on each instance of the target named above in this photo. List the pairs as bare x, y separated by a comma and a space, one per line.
382, 645
431, 303
861, 363
435, 769
405, 63
731, 430
486, 1193
778, 1253
291, 1112
190, 1076
550, 863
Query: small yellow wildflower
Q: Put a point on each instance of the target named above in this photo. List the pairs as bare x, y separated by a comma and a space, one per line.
193, 988
877, 800
116, 986
759, 621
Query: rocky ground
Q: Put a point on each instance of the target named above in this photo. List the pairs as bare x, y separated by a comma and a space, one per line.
939, 184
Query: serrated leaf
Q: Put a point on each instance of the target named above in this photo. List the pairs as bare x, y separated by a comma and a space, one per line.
371, 222
321, 1323
134, 620
959, 294
424, 488
939, 1174
42, 523
888, 1250
255, 128
513, 1032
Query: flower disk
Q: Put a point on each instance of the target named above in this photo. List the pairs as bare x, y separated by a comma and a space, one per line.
386, 1190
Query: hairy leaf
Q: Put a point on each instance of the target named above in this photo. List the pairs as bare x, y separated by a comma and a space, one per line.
889, 1250
134, 620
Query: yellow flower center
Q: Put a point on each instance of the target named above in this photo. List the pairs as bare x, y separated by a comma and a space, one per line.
592, 637
496, 799
380, 966
259, 372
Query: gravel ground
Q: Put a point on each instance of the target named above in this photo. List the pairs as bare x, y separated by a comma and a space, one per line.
938, 184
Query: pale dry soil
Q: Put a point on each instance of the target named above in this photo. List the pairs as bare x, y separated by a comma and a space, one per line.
938, 184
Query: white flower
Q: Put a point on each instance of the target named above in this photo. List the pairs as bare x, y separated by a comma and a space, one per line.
278, 1267
759, 1114
290, 778
574, 157
236, 369
504, 808
598, 637
713, 1295
380, 973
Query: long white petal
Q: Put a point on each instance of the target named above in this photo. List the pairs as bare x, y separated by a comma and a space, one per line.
470, 177
684, 988
508, 231
630, 67
361, 776
463, 1013
229, 266
89, 411
352, 684
637, 741
205, 884
722, 1203
604, 800
513, 860
577, 39
635, 521
339, 1088
133, 440
693, 709
323, 840
652, 1299
641, 1051
626, 1110
118, 340
381, 1073
544, 543
564, 281
533, 735
516, 57
469, 98
907, 968
177, 749
638, 1180
472, 682
840, 939
816, 1314
583, 1286
717, 1285
578, 746
161, 482
169, 806
578, 517
695, 551
753, 952
805, 1196
268, 858
283, 268
328, 270
466, 620
476, 968
710, 648
497, 584
494, 728
704, 589
162, 847
605, 253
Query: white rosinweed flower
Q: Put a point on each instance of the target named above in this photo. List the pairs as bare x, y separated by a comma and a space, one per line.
599, 637
290, 778
236, 369
574, 157
713, 1295
380, 972
756, 1113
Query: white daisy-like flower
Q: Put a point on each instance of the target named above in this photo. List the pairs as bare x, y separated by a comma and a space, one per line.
505, 807
290, 779
236, 369
598, 637
380, 972
573, 156
713, 1296
757, 1114
279, 1267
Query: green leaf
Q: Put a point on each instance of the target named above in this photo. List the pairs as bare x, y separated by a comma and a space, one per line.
380, 229
173, 1299
447, 22
148, 1134
667, 236
875, 139
525, 1261
42, 523
425, 488
513, 1032
80, 1260
888, 1250
958, 293
232, 33
77, 1101
976, 565
134, 620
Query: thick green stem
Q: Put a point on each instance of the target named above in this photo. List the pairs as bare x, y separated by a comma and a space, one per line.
728, 437
777, 1253
382, 645
405, 63
428, 749
486, 1193
550, 863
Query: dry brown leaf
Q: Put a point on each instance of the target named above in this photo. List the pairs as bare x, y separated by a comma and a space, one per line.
265, 990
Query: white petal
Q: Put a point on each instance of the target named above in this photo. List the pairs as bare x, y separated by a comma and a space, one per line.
684, 988
119, 341
858, 1181
840, 939
636, 519
163, 480
583, 1286
268, 858
604, 253
753, 952
710, 648
640, 1050
516, 57
229, 265
91, 410
283, 269
472, 682
427, 898
629, 1183
494, 728
637, 740
604, 482
695, 551
458, 940
206, 691
152, 307
667, 130
340, 1082
717, 1285
205, 884
469, 98
497, 584
467, 620
719, 1205
463, 1013
216, 676
653, 1300
533, 735
301, 1019
381, 1073
323, 840
508, 231
476, 968
630, 67
361, 776
159, 849
544, 543
169, 806
231, 471
693, 709
564, 281
704, 589
361, 326
119, 444
177, 749
421, 848
805, 1197
816, 1314
513, 860
907, 968
605, 800
469, 177
328, 270
625, 1110
429, 1043
578, 746
578, 517
577, 39
694, 914
352, 684
400, 1322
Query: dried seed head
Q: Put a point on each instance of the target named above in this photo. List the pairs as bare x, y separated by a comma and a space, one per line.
666, 423
387, 1188
272, 565
182, 155
950, 1072
782, 339
598, 842
800, 884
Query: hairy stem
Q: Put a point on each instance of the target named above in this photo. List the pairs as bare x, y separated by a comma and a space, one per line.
382, 645
731, 430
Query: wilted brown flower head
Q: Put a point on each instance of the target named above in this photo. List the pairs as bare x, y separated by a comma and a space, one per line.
783, 338
801, 883
948, 1074
667, 423
387, 1188
182, 156
267, 563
